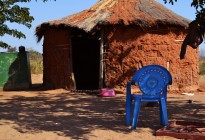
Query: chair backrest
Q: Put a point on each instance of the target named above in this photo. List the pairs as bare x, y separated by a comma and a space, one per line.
152, 80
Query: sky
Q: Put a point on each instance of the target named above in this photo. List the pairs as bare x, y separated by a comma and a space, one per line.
43, 12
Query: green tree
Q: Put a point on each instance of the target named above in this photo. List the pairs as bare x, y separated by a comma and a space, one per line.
196, 32
199, 5
12, 49
11, 12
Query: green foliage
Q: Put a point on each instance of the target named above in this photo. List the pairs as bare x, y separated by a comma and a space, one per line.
170, 1
202, 62
36, 62
11, 12
202, 67
12, 49
199, 5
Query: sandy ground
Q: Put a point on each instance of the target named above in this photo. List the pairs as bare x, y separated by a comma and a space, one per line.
63, 115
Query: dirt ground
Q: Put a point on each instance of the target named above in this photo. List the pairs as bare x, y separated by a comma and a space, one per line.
64, 115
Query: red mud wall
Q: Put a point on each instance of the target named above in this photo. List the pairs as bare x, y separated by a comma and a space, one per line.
56, 59
129, 48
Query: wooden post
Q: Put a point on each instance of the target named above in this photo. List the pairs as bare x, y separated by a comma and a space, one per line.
168, 65
101, 74
72, 78
191, 77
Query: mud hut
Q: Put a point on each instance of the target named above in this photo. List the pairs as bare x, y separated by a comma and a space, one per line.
104, 45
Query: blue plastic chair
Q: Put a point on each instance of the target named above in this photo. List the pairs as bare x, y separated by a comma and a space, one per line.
152, 81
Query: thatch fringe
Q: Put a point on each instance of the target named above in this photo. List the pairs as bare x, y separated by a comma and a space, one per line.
143, 13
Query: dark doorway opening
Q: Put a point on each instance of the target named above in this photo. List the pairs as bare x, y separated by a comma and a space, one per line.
86, 60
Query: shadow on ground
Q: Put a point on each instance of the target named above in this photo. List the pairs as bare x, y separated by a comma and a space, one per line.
77, 114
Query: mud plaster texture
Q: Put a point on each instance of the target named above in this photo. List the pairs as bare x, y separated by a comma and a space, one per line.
56, 59
129, 48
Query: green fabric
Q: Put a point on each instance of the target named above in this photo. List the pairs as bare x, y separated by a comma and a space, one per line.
14, 71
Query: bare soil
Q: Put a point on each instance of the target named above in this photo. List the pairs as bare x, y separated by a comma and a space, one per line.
64, 115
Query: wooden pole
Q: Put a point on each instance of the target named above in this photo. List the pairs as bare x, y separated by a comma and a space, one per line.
72, 78
191, 77
101, 59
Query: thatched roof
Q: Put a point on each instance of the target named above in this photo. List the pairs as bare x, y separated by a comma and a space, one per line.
144, 13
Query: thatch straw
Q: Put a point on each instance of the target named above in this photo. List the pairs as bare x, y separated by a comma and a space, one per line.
143, 13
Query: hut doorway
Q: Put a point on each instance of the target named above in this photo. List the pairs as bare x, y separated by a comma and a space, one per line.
86, 60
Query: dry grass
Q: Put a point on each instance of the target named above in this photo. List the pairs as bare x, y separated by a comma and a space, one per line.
202, 80
36, 62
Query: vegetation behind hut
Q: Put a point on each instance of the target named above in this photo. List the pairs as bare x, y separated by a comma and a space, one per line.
36, 62
202, 62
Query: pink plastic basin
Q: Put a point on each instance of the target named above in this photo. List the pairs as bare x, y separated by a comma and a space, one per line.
106, 92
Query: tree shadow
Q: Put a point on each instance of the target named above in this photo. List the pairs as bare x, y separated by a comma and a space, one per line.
177, 109
68, 114
77, 114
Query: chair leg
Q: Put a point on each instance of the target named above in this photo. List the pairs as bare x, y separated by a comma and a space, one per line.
137, 104
163, 112
128, 109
